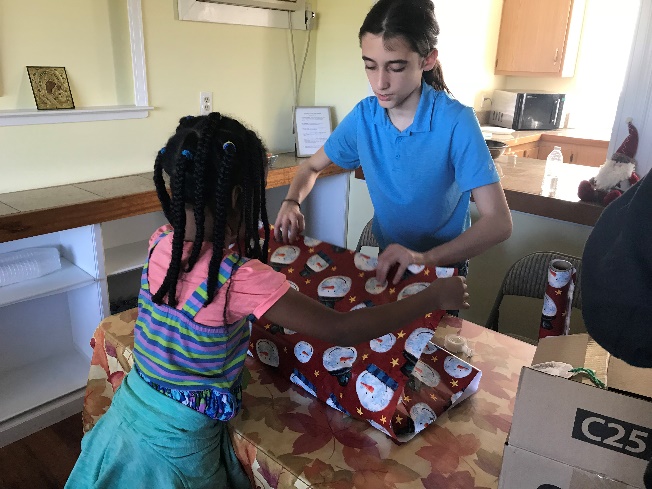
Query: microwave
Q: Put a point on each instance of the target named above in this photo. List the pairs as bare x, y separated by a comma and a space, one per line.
526, 110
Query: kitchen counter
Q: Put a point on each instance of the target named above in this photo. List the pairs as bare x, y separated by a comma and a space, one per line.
522, 181
579, 136
46, 210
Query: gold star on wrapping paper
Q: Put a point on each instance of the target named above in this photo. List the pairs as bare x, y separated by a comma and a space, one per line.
429, 315
361, 274
407, 399
316, 373
563, 313
454, 383
285, 349
351, 252
251, 345
426, 272
433, 397
307, 281
558, 292
352, 299
400, 334
398, 419
290, 270
267, 326
311, 250
271, 227
394, 362
341, 395
334, 268
359, 411
383, 419
365, 356
434, 359
392, 290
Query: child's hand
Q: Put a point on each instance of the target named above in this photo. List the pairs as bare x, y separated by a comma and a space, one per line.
290, 222
450, 293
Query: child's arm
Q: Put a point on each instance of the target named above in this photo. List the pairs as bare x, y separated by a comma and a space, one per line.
493, 227
305, 315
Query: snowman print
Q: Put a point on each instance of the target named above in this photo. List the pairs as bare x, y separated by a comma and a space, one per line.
373, 287
332, 289
422, 415
283, 256
383, 343
267, 352
311, 242
316, 263
414, 346
303, 351
375, 388
549, 312
293, 285
456, 368
338, 360
302, 381
444, 272
362, 305
364, 262
426, 374
379, 427
412, 289
430, 348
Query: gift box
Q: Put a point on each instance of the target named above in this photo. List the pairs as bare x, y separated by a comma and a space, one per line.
399, 382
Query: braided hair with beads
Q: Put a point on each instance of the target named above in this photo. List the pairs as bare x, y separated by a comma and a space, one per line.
205, 159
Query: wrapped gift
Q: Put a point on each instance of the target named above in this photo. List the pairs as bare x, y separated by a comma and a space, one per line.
387, 381
558, 298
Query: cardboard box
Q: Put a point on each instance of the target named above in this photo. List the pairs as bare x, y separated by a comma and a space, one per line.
574, 423
527, 470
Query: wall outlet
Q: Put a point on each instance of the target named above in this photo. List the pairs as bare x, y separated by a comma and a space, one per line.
205, 103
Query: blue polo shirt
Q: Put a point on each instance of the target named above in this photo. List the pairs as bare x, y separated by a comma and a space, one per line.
419, 179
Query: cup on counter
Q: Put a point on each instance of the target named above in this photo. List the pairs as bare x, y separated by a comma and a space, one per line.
511, 159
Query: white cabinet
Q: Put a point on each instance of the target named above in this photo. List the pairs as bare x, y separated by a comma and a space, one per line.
46, 325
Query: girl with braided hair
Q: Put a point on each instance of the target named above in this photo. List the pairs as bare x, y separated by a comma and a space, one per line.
422, 152
206, 276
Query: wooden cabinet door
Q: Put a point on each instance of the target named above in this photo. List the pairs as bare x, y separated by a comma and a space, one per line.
577, 154
526, 150
591, 156
532, 36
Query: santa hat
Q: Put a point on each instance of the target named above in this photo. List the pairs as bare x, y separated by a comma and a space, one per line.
627, 150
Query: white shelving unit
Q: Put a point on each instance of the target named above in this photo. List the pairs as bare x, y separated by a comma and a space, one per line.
46, 326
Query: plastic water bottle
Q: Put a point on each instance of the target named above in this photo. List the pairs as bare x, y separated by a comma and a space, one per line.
16, 266
552, 172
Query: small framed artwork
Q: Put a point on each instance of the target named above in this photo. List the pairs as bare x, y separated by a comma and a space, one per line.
50, 87
312, 126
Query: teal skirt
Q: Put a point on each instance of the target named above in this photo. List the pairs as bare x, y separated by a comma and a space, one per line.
146, 439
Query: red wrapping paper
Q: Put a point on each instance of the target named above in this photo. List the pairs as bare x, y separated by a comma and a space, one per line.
386, 381
558, 298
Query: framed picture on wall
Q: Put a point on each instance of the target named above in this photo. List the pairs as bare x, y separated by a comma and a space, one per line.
312, 126
50, 87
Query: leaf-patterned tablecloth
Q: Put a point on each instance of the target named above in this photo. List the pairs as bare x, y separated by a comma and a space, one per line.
288, 439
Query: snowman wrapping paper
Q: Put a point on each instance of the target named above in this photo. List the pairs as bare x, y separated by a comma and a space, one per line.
557, 299
400, 382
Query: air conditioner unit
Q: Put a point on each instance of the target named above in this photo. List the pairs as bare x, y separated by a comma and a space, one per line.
266, 4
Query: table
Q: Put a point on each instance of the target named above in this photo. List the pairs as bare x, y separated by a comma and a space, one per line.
287, 439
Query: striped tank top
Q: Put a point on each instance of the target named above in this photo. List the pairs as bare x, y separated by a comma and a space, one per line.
197, 365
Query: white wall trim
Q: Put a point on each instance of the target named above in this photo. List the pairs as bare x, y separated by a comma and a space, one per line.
21, 117
220, 13
636, 96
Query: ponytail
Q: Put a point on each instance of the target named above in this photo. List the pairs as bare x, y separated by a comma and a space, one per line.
435, 78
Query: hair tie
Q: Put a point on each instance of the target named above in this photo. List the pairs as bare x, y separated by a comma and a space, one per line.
162, 151
187, 154
229, 148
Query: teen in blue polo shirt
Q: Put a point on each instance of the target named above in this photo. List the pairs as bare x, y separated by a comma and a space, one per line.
422, 152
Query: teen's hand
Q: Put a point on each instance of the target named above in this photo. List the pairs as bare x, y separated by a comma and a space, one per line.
400, 256
290, 223
450, 293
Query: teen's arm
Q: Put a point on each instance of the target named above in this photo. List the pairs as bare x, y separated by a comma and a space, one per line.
290, 222
493, 226
300, 313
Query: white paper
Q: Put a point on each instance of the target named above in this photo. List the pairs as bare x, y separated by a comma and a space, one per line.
313, 125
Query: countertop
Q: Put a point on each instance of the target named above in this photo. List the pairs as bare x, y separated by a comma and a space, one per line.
579, 136
40, 211
46, 210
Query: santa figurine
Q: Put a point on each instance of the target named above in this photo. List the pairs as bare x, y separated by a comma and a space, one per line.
615, 175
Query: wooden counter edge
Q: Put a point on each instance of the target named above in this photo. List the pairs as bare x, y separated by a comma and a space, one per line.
561, 210
42, 221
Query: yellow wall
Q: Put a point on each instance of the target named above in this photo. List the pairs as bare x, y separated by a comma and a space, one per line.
247, 68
